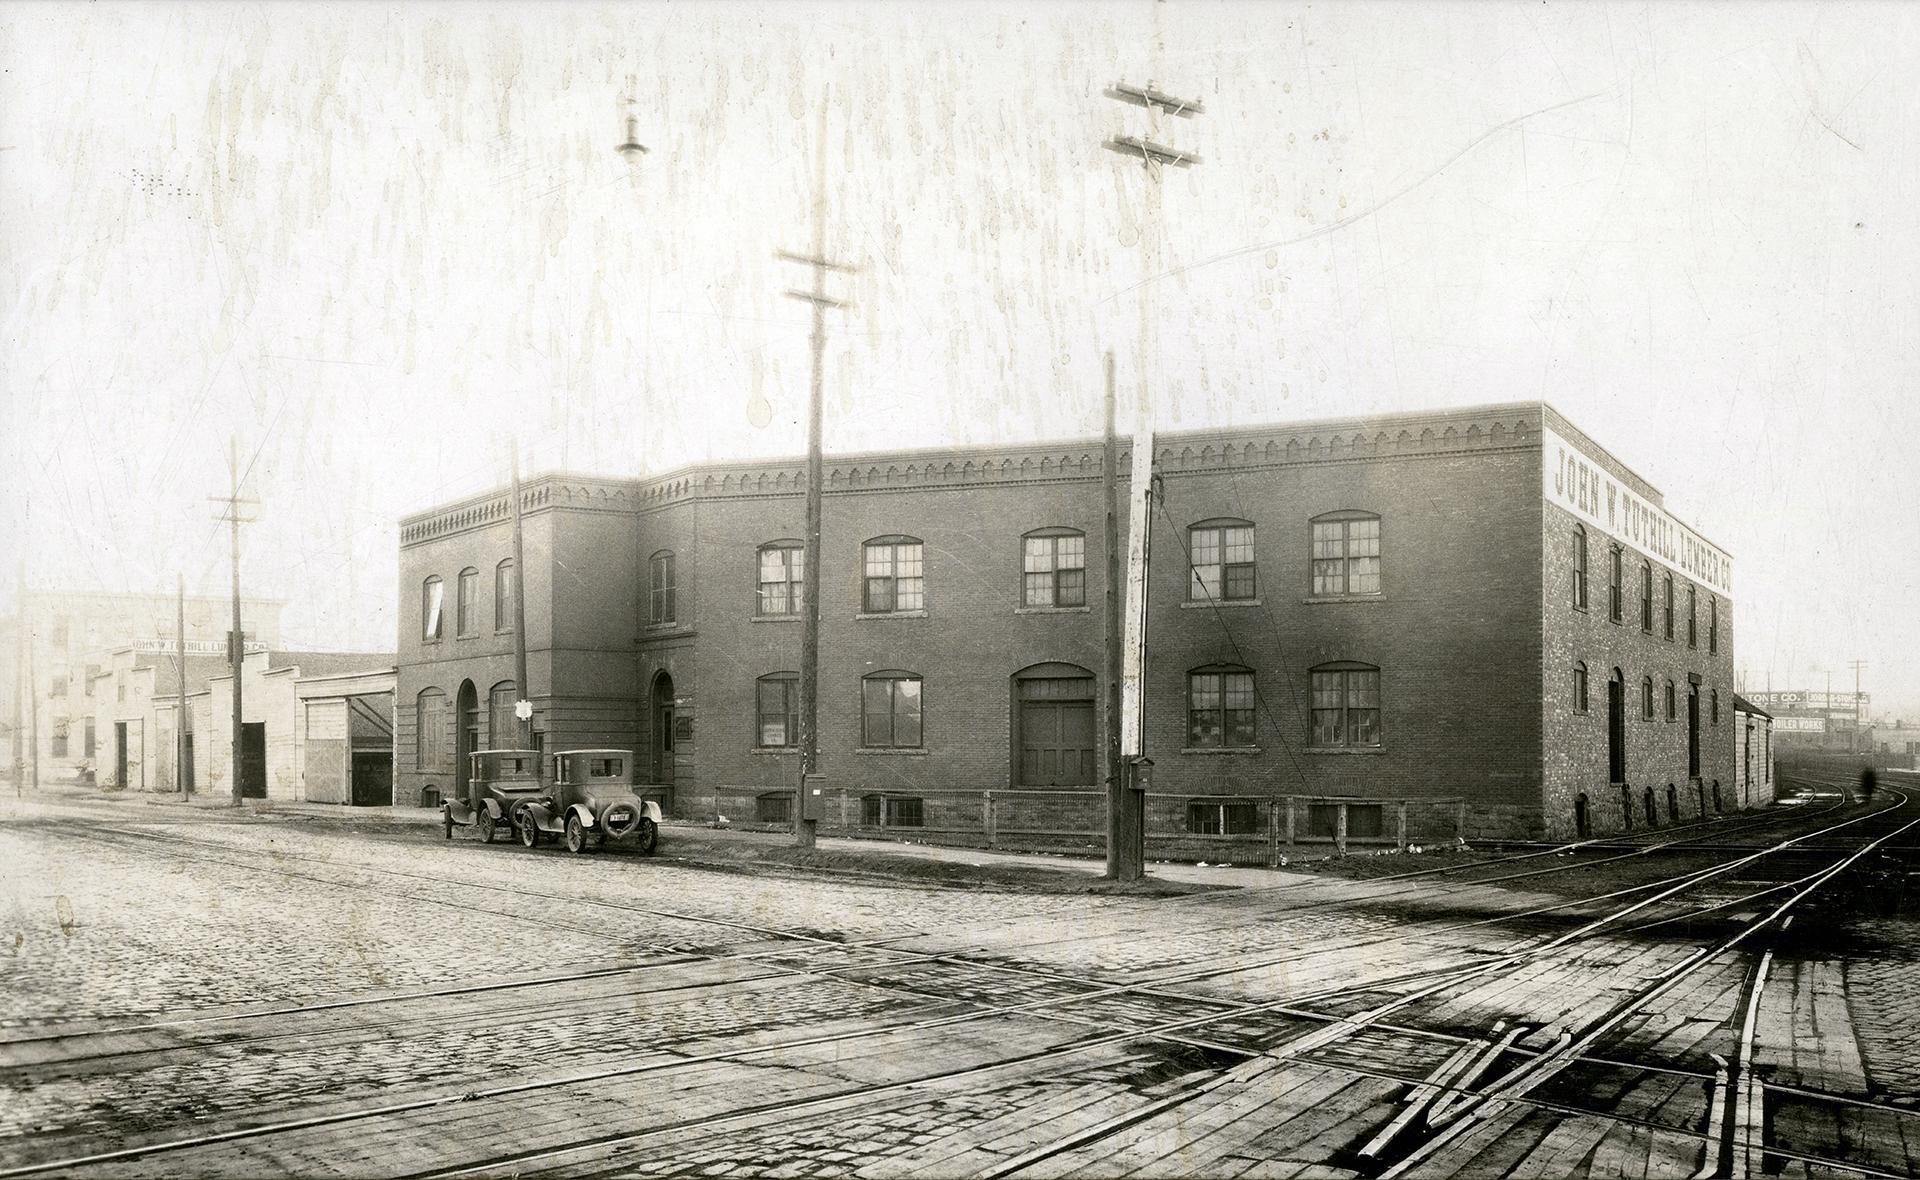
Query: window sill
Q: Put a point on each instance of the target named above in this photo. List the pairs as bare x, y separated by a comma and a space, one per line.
1360, 750
1207, 603
1322, 599
1581, 609
1052, 610
772, 751
795, 618
1206, 750
892, 752
892, 614
503, 630
669, 625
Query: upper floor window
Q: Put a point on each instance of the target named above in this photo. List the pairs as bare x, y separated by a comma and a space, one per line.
1715, 698
1345, 705
62, 631
777, 711
1579, 568
1713, 624
1669, 606
505, 586
1346, 553
783, 573
660, 604
1673, 712
431, 593
1222, 556
1053, 566
1220, 707
59, 687
1616, 606
1646, 597
894, 577
890, 712
468, 590
1579, 686
1646, 698
1693, 637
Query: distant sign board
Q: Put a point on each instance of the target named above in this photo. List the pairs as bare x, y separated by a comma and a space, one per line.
1813, 700
1800, 724
1582, 486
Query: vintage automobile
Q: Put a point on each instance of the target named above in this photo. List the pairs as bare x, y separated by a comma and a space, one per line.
499, 782
591, 792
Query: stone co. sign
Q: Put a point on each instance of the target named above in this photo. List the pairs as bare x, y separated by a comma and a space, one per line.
1583, 487
1844, 704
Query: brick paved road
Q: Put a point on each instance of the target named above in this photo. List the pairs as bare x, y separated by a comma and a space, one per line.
275, 982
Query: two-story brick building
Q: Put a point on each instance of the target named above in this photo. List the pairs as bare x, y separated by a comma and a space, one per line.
1469, 605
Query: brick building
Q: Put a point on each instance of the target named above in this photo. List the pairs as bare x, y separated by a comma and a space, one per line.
1429, 610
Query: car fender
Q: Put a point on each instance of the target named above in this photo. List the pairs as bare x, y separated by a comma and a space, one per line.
493, 809
537, 812
652, 811
584, 812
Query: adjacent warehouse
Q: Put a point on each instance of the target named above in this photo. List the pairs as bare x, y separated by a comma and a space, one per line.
1476, 620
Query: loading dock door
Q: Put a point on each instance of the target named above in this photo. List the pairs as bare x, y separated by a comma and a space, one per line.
1056, 736
373, 779
253, 760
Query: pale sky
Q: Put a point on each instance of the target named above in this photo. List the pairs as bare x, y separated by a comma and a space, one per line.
373, 242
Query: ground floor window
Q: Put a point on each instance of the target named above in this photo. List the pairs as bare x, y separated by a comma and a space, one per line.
1229, 817
887, 811
775, 807
60, 738
1363, 820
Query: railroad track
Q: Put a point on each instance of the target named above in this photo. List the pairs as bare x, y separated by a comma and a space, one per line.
1093, 989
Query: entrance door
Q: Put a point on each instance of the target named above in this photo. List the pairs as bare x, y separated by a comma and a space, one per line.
1054, 730
663, 729
189, 767
120, 754
1617, 728
373, 779
253, 760
1693, 732
466, 735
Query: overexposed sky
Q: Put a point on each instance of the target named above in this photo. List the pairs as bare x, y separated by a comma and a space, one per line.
372, 242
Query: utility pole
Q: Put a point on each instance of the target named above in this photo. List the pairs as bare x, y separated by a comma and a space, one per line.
236, 639
523, 707
1859, 720
180, 667
1126, 812
1117, 790
803, 820
21, 684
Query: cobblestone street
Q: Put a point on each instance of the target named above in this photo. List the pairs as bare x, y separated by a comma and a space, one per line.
198, 991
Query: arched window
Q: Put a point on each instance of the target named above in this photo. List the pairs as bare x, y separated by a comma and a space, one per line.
1673, 713
1715, 700
1616, 593
468, 589
1053, 565
1345, 553
1220, 705
890, 711
1579, 568
660, 604
1713, 624
1693, 639
894, 576
1579, 686
430, 730
777, 711
504, 588
1220, 553
1646, 597
432, 592
1345, 706
1646, 698
503, 728
783, 576
1669, 606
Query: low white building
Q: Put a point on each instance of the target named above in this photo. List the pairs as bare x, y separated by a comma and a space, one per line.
1753, 780
274, 721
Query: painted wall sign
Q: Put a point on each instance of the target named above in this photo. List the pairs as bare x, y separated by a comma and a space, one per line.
1816, 699
1800, 724
1583, 487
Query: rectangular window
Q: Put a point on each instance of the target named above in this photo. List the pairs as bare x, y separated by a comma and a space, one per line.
1615, 594
1669, 607
1713, 624
59, 738
783, 573
890, 712
1365, 821
1646, 700
1646, 597
1693, 638
1220, 709
87, 739
1579, 568
773, 808
606, 767
430, 596
59, 687
1055, 571
1346, 557
778, 713
894, 580
1345, 708
1672, 710
1231, 818
1223, 567
504, 588
469, 589
660, 596
1323, 820
1579, 688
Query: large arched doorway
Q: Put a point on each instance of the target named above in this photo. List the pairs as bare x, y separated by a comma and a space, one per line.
466, 735
662, 718
1617, 728
1053, 727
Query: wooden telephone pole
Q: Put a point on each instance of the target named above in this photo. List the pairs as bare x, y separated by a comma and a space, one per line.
232, 504
523, 705
803, 819
180, 677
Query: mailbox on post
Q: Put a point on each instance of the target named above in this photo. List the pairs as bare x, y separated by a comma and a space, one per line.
1140, 774
813, 796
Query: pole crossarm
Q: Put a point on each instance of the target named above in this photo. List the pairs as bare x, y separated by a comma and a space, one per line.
1147, 96
1151, 153
818, 299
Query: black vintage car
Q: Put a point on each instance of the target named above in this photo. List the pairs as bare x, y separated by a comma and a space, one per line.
591, 794
499, 783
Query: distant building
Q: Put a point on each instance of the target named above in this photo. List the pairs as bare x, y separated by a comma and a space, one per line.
1899, 740
1477, 613
72, 637
1815, 719
1752, 754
